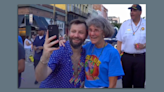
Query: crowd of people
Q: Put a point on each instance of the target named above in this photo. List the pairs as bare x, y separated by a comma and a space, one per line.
96, 64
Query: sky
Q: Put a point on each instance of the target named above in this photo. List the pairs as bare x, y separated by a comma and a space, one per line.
122, 11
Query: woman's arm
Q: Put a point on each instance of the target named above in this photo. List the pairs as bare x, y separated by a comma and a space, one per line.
112, 82
119, 43
27, 43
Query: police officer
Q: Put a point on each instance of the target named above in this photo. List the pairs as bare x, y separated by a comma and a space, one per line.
132, 42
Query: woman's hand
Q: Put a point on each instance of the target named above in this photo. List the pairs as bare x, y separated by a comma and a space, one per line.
61, 43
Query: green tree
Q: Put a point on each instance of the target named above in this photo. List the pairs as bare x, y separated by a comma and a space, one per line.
116, 25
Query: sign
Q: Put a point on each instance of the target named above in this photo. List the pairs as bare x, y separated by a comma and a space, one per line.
61, 27
22, 31
31, 18
60, 24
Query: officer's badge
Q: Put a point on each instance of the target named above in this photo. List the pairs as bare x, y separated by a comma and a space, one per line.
142, 28
129, 29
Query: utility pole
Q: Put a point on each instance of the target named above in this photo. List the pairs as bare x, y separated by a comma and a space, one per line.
66, 12
66, 23
55, 15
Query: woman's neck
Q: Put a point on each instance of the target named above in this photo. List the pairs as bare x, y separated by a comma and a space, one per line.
100, 44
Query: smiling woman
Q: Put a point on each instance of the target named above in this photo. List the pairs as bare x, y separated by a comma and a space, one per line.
99, 28
102, 63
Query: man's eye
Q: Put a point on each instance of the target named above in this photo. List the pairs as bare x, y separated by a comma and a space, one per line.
73, 31
81, 32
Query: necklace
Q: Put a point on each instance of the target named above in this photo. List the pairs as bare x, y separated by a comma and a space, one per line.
78, 79
101, 50
137, 28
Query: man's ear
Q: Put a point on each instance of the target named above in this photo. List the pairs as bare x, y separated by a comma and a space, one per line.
68, 32
140, 13
103, 35
86, 34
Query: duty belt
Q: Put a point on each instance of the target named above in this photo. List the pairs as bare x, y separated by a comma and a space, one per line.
135, 54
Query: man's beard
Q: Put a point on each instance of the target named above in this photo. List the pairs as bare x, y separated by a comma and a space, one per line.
41, 34
75, 46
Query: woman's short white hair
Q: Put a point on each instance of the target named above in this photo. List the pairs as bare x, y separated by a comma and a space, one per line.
101, 23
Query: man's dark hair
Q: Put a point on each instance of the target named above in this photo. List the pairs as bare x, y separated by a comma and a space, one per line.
79, 21
34, 34
27, 36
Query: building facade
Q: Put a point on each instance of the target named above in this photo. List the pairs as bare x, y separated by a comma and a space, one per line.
76, 11
31, 16
113, 19
105, 12
102, 11
73, 11
91, 11
60, 6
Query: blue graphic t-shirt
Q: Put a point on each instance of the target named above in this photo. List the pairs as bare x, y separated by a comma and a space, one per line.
99, 69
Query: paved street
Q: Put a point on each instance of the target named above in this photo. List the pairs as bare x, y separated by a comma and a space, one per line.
119, 84
28, 78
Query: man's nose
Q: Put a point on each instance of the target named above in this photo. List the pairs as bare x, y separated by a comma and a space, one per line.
76, 34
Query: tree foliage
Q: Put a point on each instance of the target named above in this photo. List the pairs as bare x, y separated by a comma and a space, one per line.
116, 25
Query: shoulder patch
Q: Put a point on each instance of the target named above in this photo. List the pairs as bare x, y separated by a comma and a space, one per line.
126, 21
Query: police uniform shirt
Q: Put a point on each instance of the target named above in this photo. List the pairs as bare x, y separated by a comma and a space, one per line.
125, 35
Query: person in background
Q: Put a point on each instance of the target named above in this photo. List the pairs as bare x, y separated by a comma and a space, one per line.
33, 38
21, 62
27, 47
20, 39
38, 46
131, 41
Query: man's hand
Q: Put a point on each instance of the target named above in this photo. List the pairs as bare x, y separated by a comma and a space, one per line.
47, 48
35, 48
139, 46
42, 70
40, 47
